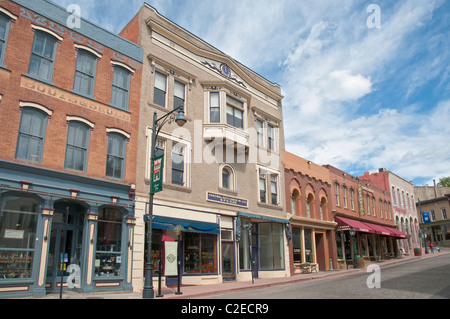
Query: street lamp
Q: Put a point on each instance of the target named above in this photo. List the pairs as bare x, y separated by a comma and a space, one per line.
353, 237
158, 123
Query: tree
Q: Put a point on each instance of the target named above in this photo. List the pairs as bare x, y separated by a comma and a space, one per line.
444, 182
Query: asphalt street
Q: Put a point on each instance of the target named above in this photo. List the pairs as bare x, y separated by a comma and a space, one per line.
417, 279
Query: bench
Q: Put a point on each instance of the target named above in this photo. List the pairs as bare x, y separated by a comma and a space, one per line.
309, 267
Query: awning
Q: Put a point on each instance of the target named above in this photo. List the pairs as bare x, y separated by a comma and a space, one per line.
344, 224
192, 226
266, 218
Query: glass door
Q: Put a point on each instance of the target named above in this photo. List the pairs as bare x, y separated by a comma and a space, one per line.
227, 261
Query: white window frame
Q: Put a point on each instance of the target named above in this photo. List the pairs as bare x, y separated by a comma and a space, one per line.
268, 173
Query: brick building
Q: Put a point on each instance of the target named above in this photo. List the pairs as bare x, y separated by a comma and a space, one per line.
365, 221
69, 112
222, 173
308, 203
403, 204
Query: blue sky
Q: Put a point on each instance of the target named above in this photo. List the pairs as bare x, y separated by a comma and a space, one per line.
356, 97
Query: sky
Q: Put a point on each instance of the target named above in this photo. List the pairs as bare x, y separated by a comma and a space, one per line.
365, 83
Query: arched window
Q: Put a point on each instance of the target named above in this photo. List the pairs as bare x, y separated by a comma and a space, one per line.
228, 178
310, 206
295, 202
323, 209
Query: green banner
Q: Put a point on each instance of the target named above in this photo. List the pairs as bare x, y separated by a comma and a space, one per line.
157, 174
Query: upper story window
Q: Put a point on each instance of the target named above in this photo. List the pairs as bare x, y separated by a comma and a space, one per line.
120, 87
43, 56
4, 30
178, 164
179, 94
344, 195
269, 187
227, 177
235, 112
159, 93
214, 107
77, 146
352, 198
336, 193
115, 160
30, 142
267, 133
85, 73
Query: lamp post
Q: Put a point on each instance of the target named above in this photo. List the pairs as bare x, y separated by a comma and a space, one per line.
158, 123
353, 237
422, 227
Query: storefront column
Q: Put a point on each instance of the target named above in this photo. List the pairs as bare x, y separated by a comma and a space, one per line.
91, 236
131, 222
47, 215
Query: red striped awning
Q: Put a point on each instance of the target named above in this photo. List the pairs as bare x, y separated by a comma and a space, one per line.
344, 224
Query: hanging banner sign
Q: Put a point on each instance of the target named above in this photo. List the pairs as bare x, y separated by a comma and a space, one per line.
426, 217
171, 254
157, 171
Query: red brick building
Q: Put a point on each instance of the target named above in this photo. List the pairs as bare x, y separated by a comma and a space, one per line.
365, 222
69, 115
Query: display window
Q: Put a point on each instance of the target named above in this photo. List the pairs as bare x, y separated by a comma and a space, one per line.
200, 253
18, 222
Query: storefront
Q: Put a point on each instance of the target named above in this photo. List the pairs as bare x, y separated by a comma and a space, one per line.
62, 230
371, 241
263, 249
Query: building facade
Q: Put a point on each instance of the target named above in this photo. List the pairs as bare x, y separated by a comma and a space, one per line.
365, 221
222, 171
403, 205
434, 203
309, 210
69, 112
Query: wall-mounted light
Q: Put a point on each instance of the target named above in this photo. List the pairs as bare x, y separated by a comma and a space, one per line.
74, 193
132, 191
25, 185
114, 199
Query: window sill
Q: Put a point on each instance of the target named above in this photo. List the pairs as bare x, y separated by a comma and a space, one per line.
84, 95
270, 206
40, 79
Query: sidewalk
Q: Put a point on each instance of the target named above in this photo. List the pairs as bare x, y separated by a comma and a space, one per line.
209, 290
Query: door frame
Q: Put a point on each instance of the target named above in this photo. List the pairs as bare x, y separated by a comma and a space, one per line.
232, 275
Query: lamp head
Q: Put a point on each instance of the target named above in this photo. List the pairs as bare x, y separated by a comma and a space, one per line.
181, 119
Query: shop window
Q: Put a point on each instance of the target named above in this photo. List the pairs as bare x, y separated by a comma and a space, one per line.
18, 222
120, 87
297, 245
309, 257
30, 143
108, 256
200, 253
115, 161
339, 245
271, 252
42, 56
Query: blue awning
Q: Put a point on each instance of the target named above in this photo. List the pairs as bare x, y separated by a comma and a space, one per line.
192, 226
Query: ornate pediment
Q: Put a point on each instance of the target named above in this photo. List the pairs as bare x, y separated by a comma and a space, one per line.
224, 70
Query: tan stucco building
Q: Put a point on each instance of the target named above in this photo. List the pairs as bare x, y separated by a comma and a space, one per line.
222, 170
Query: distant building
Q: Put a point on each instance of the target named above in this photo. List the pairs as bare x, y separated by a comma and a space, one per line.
309, 208
365, 221
69, 115
403, 204
433, 205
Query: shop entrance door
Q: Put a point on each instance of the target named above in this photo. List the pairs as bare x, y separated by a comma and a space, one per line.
227, 261
65, 244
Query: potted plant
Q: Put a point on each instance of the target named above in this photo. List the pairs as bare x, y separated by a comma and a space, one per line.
417, 251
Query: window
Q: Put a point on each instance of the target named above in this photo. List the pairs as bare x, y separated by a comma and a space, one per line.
344, 195
178, 94
19, 217
120, 87
271, 137
432, 215
274, 189
109, 243
352, 198
262, 188
227, 181
323, 208
30, 143
4, 30
260, 132
235, 113
159, 96
381, 208
336, 193
373, 207
297, 244
178, 164
368, 204
271, 248
393, 196
85, 73
444, 213
214, 110
200, 253
115, 160
42, 56
77, 146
